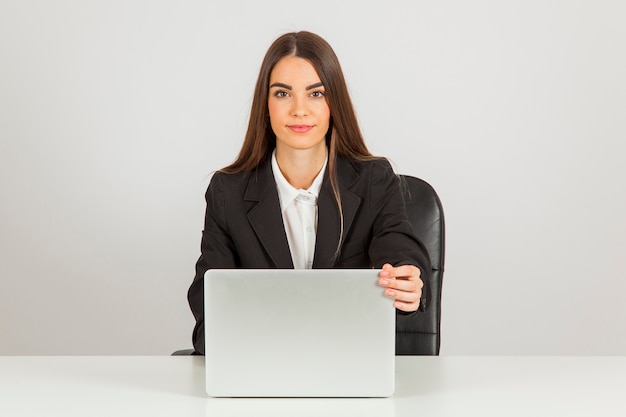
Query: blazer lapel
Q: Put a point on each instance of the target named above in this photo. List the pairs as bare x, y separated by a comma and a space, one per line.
265, 216
329, 222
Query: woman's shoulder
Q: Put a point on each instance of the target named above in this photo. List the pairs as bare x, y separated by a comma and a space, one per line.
239, 180
375, 165
233, 177
225, 176
221, 181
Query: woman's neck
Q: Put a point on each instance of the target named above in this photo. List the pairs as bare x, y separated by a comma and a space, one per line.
300, 166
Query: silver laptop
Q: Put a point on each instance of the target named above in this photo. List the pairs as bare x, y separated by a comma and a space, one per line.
298, 333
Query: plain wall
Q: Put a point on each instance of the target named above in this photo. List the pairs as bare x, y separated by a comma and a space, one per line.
113, 114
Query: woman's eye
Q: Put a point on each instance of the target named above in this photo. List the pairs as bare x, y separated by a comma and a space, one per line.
281, 94
318, 94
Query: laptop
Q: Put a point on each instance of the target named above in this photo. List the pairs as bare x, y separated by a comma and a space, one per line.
298, 333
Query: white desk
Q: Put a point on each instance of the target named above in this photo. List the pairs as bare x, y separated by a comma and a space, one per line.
426, 386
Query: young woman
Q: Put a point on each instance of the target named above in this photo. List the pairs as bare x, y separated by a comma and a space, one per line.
304, 191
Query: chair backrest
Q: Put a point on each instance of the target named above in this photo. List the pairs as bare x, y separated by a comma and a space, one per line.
419, 334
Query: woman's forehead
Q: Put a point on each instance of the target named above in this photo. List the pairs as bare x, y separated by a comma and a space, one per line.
295, 72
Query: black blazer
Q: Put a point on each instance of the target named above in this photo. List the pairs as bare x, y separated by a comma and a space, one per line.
244, 227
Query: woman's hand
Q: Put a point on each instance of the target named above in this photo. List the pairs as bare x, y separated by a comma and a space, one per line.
403, 284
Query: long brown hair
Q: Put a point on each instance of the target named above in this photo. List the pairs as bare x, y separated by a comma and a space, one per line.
344, 136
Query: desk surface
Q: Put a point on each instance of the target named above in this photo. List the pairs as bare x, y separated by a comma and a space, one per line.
427, 386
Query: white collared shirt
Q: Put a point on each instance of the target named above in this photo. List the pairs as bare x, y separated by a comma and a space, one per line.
299, 210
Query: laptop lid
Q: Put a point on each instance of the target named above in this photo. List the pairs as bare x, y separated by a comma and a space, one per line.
298, 333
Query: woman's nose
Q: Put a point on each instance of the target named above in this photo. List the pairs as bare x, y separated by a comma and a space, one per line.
299, 107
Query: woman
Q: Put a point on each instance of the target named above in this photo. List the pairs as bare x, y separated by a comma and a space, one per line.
304, 191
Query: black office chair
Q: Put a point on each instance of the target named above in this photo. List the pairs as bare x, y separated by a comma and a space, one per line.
419, 334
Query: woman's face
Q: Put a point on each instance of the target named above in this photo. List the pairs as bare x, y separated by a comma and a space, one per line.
299, 113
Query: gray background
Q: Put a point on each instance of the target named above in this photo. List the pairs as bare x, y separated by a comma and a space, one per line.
113, 114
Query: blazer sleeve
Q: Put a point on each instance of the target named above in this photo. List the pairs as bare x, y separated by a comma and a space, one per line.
217, 251
393, 240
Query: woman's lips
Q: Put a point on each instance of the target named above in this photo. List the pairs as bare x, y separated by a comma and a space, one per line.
300, 128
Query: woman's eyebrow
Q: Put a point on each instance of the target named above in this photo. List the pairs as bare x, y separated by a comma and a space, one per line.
312, 86
288, 87
281, 85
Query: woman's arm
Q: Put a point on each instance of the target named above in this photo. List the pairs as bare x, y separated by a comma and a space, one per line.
394, 247
217, 250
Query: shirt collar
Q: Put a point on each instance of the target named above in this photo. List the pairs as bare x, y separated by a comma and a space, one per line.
287, 192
